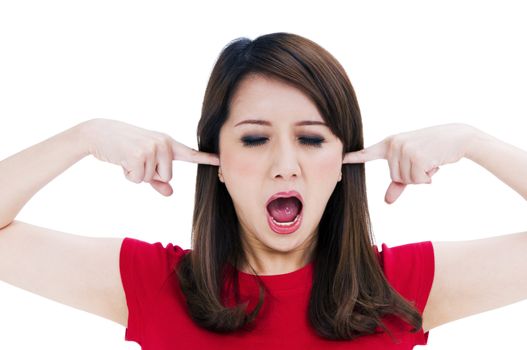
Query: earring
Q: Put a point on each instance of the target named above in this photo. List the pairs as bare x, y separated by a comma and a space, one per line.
220, 175
340, 177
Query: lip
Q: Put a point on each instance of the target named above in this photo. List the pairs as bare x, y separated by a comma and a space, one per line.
285, 194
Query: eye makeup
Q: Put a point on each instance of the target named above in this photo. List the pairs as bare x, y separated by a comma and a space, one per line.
253, 141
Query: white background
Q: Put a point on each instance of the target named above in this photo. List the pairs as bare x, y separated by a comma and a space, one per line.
412, 64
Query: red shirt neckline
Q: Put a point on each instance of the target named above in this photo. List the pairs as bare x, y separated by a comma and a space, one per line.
284, 281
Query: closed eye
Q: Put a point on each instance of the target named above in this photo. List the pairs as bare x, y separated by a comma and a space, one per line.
250, 141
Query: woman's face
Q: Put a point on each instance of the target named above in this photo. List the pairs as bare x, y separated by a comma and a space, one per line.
285, 157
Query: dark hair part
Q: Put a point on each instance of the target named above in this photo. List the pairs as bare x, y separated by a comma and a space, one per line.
350, 293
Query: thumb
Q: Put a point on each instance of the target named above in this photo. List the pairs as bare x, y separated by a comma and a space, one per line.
162, 187
394, 191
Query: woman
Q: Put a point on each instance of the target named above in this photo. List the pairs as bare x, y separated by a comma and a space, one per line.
282, 250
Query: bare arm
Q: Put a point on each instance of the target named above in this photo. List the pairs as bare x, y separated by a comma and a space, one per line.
144, 155
480, 275
82, 272
470, 276
507, 162
25, 173
79, 271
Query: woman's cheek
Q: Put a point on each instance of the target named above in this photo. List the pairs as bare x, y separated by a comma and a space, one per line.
328, 165
244, 165
241, 167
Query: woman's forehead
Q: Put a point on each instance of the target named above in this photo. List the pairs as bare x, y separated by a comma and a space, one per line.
271, 101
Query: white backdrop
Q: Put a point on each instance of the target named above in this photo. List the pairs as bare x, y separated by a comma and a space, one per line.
412, 64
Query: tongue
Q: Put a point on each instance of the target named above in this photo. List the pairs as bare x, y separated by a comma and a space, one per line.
284, 209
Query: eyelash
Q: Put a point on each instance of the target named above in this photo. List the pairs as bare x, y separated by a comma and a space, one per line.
257, 141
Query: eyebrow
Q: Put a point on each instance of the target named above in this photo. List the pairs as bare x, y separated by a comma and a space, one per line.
268, 123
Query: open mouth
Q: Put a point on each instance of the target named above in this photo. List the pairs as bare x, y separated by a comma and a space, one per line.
285, 211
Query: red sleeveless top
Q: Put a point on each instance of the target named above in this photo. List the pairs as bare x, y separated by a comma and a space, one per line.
158, 320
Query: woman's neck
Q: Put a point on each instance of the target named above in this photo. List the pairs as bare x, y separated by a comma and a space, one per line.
263, 261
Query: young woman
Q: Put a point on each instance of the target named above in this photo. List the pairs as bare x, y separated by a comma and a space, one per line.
282, 253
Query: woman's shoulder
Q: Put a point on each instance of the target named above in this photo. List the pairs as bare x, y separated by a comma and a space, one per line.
409, 268
404, 254
146, 254
142, 262
145, 267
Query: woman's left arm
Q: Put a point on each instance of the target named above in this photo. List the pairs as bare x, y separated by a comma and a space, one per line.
505, 161
470, 276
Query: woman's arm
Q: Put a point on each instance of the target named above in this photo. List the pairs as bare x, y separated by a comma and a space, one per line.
82, 272
25, 173
470, 276
484, 274
415, 156
506, 162
144, 155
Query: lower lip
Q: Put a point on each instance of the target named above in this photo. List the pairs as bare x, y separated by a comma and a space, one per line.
284, 229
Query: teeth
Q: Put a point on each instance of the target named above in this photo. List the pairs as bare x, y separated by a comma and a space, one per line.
286, 223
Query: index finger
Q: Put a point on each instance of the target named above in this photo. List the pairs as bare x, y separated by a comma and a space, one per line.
187, 154
377, 151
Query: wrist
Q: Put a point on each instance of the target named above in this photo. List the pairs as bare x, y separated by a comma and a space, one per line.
476, 141
82, 135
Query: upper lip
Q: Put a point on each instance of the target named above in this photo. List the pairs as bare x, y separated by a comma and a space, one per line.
285, 194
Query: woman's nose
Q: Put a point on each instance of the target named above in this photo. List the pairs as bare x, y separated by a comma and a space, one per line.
285, 162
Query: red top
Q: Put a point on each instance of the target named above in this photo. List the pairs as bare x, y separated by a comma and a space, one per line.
158, 320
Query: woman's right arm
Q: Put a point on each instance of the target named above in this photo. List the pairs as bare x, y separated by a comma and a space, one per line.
25, 173
82, 272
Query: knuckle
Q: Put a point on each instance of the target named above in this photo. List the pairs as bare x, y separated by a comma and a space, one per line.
145, 151
417, 157
133, 178
162, 146
423, 178
162, 140
395, 177
148, 174
139, 154
409, 149
167, 177
390, 143
405, 148
393, 144
151, 147
162, 137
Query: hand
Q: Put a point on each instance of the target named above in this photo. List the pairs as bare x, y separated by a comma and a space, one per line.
415, 156
144, 155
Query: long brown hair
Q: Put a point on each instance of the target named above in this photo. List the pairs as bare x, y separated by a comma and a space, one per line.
350, 293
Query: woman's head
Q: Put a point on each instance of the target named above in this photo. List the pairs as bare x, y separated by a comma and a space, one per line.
283, 79
277, 79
